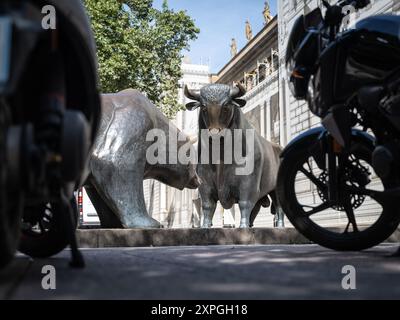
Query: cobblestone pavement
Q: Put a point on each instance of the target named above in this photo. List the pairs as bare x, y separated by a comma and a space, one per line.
208, 272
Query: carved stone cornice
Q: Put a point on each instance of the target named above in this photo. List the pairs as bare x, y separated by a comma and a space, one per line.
262, 86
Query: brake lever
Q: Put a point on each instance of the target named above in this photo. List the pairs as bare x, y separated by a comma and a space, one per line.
361, 4
357, 4
333, 16
326, 4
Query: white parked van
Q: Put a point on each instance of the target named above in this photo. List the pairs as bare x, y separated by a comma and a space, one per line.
87, 213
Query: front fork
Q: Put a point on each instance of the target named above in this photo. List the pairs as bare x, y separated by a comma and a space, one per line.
336, 163
332, 169
49, 136
53, 111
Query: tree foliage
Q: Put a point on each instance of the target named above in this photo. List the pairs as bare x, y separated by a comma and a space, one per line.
141, 47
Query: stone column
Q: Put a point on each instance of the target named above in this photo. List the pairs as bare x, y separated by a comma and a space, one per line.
268, 111
286, 105
163, 202
262, 122
396, 6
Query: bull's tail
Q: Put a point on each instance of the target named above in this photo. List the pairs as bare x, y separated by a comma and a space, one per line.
277, 151
277, 148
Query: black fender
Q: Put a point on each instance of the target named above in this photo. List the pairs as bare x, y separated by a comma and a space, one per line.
318, 134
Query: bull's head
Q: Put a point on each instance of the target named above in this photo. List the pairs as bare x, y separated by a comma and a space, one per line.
217, 103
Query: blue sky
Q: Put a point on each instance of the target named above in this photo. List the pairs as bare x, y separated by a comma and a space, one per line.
220, 21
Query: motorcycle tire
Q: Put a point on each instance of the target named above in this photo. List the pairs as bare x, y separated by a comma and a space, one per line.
51, 242
377, 233
10, 226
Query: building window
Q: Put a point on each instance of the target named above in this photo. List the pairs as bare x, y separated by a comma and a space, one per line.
262, 71
254, 117
294, 5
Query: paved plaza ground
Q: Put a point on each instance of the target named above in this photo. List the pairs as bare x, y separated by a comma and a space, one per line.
209, 272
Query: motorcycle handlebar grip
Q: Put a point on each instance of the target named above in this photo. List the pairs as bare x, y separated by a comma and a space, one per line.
362, 3
357, 4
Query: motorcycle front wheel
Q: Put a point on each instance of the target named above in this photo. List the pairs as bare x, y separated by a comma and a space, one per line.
303, 194
48, 236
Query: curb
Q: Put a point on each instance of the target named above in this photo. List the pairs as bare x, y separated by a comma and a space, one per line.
116, 238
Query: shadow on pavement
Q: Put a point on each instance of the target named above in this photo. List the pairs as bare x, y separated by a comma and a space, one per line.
212, 272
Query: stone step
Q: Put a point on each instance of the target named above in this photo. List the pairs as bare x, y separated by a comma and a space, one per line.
114, 238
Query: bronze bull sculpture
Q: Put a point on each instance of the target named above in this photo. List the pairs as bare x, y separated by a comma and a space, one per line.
220, 115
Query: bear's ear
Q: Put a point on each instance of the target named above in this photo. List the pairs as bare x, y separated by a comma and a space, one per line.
192, 105
240, 102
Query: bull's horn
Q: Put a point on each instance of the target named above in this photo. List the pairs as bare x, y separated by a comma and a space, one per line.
191, 95
238, 91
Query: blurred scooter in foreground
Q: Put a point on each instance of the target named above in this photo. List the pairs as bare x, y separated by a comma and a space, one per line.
49, 114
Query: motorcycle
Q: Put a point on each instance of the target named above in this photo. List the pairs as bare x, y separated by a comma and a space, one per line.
49, 114
350, 165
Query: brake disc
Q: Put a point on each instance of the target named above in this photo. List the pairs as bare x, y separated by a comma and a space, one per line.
355, 175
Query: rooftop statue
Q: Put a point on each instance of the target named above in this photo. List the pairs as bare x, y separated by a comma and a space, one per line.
249, 31
234, 50
267, 13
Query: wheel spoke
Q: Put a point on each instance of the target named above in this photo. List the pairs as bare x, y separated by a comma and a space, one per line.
350, 216
321, 207
48, 216
313, 179
309, 165
42, 228
347, 228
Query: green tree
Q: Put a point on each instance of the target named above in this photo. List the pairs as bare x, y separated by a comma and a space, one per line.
141, 47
